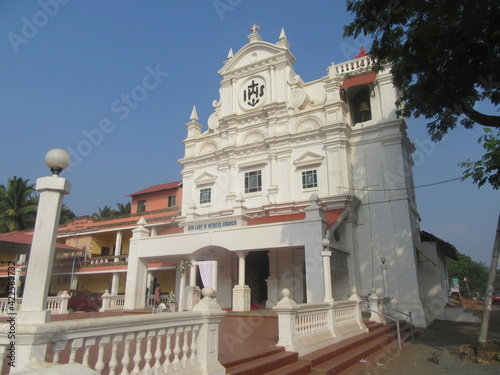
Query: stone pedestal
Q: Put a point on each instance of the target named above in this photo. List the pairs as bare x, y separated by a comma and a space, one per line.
241, 298
192, 296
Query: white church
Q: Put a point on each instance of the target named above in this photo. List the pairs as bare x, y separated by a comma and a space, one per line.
289, 179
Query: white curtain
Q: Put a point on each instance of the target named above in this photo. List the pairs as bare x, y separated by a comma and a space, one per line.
207, 269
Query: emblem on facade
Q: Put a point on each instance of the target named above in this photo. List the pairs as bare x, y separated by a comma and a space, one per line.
253, 93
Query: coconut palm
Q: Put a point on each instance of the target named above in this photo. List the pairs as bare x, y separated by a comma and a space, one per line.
18, 205
124, 209
106, 211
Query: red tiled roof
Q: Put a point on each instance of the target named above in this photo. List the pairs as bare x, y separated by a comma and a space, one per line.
362, 53
358, 80
19, 238
155, 188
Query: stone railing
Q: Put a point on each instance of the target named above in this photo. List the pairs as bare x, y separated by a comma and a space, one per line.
58, 305
106, 260
184, 343
359, 64
110, 302
304, 328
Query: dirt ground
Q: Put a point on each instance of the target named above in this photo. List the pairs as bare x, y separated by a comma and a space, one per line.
446, 348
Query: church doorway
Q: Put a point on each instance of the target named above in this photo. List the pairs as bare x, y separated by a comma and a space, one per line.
256, 273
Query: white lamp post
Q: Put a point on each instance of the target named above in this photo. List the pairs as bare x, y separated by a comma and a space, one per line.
52, 189
327, 276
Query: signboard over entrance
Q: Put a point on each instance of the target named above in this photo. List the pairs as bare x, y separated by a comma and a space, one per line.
210, 226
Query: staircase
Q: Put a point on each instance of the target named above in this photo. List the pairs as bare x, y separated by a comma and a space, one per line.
349, 357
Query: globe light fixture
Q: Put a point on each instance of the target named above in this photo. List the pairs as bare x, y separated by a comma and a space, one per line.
325, 242
57, 160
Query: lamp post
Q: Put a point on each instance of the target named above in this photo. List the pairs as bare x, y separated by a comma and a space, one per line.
52, 189
327, 276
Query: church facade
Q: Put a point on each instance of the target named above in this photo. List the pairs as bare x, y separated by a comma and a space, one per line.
288, 175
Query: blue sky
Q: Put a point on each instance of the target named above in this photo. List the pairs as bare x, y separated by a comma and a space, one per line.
70, 70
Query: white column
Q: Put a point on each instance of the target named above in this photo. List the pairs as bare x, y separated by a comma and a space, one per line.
118, 244
52, 189
241, 268
327, 276
272, 280
241, 292
182, 291
115, 283
192, 273
137, 272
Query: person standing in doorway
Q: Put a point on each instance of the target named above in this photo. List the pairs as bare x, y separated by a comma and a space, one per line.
157, 295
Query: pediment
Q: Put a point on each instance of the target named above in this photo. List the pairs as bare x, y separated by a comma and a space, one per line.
309, 159
205, 178
253, 54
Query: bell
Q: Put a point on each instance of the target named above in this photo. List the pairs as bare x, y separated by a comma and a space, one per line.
364, 107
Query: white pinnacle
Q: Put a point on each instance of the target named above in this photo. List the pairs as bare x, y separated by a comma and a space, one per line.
194, 114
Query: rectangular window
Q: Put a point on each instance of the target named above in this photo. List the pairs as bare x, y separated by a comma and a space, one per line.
141, 206
205, 195
253, 181
309, 179
172, 201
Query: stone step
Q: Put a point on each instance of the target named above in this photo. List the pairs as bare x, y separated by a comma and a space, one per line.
296, 368
333, 351
263, 365
366, 353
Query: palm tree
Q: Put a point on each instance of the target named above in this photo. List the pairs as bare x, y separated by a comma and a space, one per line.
18, 205
106, 211
66, 215
124, 209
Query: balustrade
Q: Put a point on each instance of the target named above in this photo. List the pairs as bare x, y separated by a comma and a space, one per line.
132, 344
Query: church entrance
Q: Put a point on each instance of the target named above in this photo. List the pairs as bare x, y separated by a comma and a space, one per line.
256, 273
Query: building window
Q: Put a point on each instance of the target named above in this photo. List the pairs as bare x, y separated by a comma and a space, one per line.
172, 201
253, 181
309, 179
141, 206
205, 195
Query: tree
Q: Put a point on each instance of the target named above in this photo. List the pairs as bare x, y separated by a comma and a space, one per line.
475, 272
18, 205
444, 56
104, 212
124, 209
488, 168
66, 215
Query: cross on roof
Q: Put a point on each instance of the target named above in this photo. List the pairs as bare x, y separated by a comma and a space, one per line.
254, 28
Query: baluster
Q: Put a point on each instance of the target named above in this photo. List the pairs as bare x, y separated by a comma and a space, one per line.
167, 365
56, 347
74, 345
126, 353
149, 354
137, 356
113, 361
185, 347
99, 365
177, 348
89, 342
157, 366
193, 357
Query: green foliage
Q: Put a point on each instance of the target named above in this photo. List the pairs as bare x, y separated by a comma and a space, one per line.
444, 56
18, 205
104, 212
488, 168
124, 209
475, 272
66, 215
